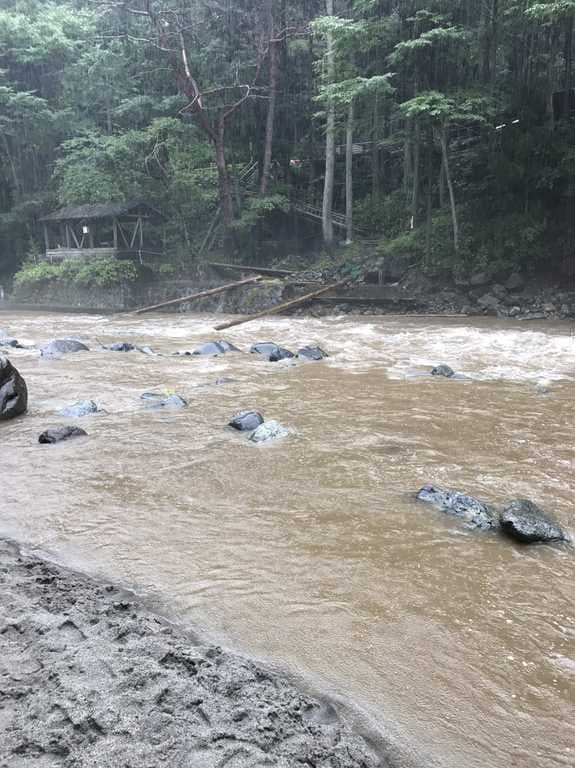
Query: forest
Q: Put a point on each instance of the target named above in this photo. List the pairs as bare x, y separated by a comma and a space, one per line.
437, 131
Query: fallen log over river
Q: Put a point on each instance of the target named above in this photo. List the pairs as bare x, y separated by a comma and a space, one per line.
201, 295
281, 307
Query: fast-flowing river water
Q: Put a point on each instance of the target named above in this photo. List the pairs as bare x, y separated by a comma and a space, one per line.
311, 551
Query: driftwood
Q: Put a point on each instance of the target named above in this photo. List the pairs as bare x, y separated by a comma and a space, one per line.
201, 295
267, 271
281, 307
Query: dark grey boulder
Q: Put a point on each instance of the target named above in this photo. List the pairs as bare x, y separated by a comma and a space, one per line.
468, 508
58, 434
8, 341
158, 400
443, 370
81, 408
515, 282
13, 391
246, 421
312, 353
59, 347
271, 351
122, 346
213, 348
526, 522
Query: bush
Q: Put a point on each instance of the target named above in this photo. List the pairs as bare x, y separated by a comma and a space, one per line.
100, 273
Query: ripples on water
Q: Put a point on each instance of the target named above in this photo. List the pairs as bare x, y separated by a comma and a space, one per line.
311, 551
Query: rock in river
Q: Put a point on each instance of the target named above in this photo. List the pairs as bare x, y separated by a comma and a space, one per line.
57, 434
470, 509
121, 346
81, 408
246, 421
59, 347
268, 430
271, 351
443, 370
158, 400
13, 391
213, 348
312, 353
526, 522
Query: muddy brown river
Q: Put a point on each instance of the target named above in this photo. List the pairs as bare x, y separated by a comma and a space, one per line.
311, 552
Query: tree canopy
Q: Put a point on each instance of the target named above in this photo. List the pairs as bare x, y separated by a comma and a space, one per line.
450, 123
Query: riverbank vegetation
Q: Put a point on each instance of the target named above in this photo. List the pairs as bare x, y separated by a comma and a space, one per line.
440, 132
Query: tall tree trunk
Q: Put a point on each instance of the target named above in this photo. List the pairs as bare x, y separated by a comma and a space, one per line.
273, 88
375, 169
429, 211
415, 189
568, 56
327, 222
445, 159
224, 180
349, 174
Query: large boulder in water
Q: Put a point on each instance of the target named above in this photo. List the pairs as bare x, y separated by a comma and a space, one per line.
213, 348
13, 391
443, 370
312, 353
246, 421
58, 434
59, 347
526, 522
271, 351
468, 508
268, 430
158, 400
81, 408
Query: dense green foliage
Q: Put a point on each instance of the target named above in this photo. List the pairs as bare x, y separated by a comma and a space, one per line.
98, 273
461, 114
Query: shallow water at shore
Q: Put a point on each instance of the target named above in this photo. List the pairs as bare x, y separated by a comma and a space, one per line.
312, 552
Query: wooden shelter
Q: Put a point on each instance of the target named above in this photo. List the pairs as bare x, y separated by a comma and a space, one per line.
112, 230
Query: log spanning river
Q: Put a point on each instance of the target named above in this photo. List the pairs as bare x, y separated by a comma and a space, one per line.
311, 552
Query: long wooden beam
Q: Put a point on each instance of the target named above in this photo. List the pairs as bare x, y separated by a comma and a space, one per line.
268, 271
281, 307
201, 295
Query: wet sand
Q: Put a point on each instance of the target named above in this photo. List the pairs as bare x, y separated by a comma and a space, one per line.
90, 676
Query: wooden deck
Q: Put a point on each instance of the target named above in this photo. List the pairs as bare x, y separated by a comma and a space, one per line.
87, 254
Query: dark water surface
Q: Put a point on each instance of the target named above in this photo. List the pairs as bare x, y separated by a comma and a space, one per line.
311, 551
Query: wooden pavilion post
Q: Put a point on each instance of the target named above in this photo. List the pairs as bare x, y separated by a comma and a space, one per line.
115, 230
46, 238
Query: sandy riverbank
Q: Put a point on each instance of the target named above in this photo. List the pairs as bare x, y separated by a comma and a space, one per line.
90, 676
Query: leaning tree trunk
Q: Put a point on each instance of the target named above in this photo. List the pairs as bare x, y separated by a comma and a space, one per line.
415, 188
327, 221
445, 158
349, 174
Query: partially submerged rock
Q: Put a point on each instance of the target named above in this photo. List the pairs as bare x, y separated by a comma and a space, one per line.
121, 346
214, 348
246, 421
312, 353
443, 370
58, 434
468, 508
59, 347
159, 400
13, 391
526, 522
268, 430
272, 352
80, 408
8, 341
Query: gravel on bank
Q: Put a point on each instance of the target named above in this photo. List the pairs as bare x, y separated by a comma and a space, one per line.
90, 676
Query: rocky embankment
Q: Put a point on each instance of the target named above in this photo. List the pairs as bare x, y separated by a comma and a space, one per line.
92, 678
